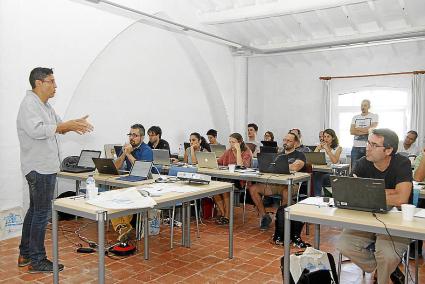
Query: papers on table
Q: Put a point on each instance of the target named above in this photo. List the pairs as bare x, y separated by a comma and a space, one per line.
420, 213
128, 198
159, 189
318, 201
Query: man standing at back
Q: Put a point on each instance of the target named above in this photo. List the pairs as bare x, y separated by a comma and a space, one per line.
381, 162
38, 126
252, 142
360, 126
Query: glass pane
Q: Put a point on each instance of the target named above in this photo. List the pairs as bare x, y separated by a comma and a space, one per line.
379, 98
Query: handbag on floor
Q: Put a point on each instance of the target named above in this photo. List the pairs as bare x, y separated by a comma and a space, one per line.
312, 266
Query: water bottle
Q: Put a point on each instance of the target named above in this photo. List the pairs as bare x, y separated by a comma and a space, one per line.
91, 190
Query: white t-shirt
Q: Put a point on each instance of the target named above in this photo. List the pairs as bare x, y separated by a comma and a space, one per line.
363, 121
413, 150
333, 151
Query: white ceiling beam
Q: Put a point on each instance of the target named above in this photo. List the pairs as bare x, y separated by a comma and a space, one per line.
302, 25
406, 17
325, 21
357, 39
349, 19
273, 9
376, 15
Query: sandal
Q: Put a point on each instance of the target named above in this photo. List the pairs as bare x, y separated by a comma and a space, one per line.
222, 221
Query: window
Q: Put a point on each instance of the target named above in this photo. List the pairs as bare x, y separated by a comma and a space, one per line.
392, 106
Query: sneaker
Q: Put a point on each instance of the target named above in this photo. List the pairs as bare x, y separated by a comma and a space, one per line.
278, 241
412, 251
266, 220
44, 266
124, 232
397, 276
299, 243
22, 261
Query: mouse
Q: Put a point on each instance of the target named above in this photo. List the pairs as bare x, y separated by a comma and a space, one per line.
161, 179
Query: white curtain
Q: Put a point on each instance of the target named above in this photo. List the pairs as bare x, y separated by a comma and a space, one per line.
418, 107
326, 94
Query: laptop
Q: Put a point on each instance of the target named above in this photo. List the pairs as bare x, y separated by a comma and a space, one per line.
141, 170
364, 194
107, 167
315, 158
207, 160
161, 157
218, 150
268, 149
85, 162
273, 163
110, 150
269, 143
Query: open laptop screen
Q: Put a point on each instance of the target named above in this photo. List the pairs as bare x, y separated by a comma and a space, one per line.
141, 169
86, 160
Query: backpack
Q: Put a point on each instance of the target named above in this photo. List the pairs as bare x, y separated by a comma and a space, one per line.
296, 227
318, 276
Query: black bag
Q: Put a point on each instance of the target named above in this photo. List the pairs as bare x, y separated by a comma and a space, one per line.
296, 227
315, 277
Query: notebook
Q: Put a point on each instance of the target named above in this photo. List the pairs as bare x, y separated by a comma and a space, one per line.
207, 160
85, 162
107, 166
364, 194
161, 157
218, 150
273, 163
315, 158
141, 170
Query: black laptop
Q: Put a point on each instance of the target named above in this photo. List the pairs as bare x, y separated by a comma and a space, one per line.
85, 162
273, 163
269, 143
107, 166
268, 149
364, 194
141, 170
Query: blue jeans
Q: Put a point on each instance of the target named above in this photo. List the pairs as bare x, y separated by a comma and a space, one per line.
319, 180
41, 189
357, 153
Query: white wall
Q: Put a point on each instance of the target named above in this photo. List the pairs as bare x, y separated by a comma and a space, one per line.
102, 61
285, 91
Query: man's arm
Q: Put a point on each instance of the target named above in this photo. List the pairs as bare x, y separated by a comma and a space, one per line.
79, 126
297, 165
399, 195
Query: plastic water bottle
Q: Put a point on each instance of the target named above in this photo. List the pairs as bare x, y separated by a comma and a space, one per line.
91, 190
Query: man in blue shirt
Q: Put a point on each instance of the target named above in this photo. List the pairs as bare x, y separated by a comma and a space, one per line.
136, 149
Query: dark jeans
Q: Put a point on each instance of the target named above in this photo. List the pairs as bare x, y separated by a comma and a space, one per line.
41, 189
357, 153
319, 180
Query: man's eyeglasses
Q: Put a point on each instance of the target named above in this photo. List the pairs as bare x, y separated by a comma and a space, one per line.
49, 81
133, 135
374, 145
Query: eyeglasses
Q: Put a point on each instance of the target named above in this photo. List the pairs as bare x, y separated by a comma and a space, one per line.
133, 135
374, 145
49, 81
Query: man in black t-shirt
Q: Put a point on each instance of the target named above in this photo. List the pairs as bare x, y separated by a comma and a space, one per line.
296, 162
381, 162
155, 140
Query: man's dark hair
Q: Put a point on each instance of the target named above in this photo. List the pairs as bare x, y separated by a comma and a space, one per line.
414, 133
156, 130
296, 137
253, 125
390, 138
140, 127
212, 132
39, 73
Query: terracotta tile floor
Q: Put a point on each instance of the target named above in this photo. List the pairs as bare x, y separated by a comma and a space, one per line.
255, 260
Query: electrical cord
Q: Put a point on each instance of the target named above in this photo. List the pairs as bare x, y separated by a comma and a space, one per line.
392, 241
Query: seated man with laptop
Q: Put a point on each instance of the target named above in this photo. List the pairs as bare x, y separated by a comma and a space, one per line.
240, 155
296, 162
381, 162
136, 149
155, 139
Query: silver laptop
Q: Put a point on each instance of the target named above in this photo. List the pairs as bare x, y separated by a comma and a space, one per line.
218, 150
161, 157
207, 160
141, 170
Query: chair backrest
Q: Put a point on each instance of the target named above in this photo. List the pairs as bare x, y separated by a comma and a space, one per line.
174, 170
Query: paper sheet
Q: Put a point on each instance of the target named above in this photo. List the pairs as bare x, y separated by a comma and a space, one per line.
420, 213
318, 201
128, 198
159, 189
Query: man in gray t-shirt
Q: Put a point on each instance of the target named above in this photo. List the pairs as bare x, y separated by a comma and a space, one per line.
360, 126
38, 126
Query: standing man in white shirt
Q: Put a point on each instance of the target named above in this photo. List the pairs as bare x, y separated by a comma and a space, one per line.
252, 142
360, 126
38, 126
408, 147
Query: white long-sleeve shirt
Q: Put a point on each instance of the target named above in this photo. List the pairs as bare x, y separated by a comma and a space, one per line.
36, 124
